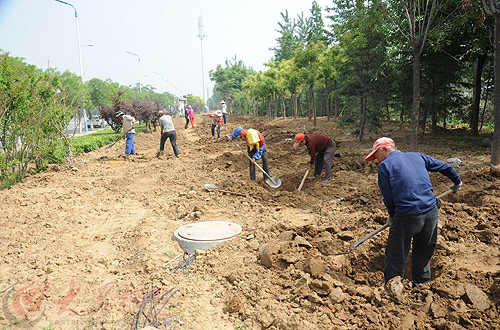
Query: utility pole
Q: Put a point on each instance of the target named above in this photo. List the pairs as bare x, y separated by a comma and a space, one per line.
201, 36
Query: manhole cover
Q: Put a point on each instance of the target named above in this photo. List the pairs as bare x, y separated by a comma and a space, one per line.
209, 231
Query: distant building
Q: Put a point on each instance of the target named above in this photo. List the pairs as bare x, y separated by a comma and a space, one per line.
180, 103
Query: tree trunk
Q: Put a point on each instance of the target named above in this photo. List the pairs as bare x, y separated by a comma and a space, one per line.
298, 103
336, 107
416, 95
484, 111
313, 105
481, 60
495, 147
294, 103
283, 105
327, 103
308, 101
363, 102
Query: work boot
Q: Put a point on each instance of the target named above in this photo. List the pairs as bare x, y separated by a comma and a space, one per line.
394, 288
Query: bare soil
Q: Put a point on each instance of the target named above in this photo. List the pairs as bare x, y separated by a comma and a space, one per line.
82, 247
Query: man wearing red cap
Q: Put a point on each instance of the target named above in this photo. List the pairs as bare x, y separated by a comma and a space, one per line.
321, 149
405, 184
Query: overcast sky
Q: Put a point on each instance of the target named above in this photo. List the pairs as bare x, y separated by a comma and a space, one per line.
163, 33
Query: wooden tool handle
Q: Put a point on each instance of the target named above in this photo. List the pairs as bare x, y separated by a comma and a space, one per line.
303, 179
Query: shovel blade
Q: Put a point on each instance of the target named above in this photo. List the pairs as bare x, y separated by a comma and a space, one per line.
276, 180
210, 186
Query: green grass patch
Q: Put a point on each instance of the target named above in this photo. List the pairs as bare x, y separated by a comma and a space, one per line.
57, 152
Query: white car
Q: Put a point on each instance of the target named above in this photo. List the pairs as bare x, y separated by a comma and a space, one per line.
97, 121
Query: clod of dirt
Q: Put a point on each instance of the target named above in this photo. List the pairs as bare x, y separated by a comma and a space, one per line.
476, 297
395, 288
314, 266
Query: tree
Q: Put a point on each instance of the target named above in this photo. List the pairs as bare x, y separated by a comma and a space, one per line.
492, 7
361, 35
307, 60
286, 43
228, 81
420, 17
316, 32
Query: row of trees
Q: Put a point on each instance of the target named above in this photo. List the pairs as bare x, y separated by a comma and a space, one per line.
423, 63
36, 107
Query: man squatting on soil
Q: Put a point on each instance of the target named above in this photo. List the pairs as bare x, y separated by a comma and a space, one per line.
167, 132
408, 195
321, 149
128, 123
256, 148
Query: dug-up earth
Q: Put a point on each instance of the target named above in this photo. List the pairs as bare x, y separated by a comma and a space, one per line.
91, 247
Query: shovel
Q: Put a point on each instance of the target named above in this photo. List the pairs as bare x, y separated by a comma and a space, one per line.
303, 179
211, 187
378, 230
112, 144
274, 181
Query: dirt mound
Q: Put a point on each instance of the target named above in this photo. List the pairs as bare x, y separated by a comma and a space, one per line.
84, 246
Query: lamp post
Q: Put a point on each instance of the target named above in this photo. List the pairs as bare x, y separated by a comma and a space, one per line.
201, 36
139, 58
79, 58
162, 80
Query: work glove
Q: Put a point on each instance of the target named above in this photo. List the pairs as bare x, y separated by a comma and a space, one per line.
456, 187
390, 221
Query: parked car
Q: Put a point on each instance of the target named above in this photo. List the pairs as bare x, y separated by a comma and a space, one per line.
97, 121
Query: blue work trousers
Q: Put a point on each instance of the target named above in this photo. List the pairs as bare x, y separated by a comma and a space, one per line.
422, 229
218, 130
129, 144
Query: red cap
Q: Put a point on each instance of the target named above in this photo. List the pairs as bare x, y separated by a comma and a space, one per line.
380, 143
298, 138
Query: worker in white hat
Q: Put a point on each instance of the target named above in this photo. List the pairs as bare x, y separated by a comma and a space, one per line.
223, 108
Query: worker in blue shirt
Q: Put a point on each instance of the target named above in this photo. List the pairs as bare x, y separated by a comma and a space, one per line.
408, 195
256, 148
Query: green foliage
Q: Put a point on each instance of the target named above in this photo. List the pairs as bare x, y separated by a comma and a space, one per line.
196, 102
229, 80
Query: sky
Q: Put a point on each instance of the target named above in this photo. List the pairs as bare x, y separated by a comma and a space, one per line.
162, 33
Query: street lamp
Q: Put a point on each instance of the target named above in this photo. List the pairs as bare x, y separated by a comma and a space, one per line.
79, 57
202, 36
139, 58
163, 80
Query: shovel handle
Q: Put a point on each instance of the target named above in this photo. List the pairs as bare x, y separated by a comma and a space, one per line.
258, 166
231, 192
376, 231
373, 233
112, 144
303, 179
445, 193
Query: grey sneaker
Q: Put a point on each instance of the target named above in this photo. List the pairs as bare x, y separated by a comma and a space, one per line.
325, 181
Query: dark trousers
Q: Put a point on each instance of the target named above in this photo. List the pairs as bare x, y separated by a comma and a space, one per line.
422, 228
173, 141
187, 119
224, 116
265, 165
325, 157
